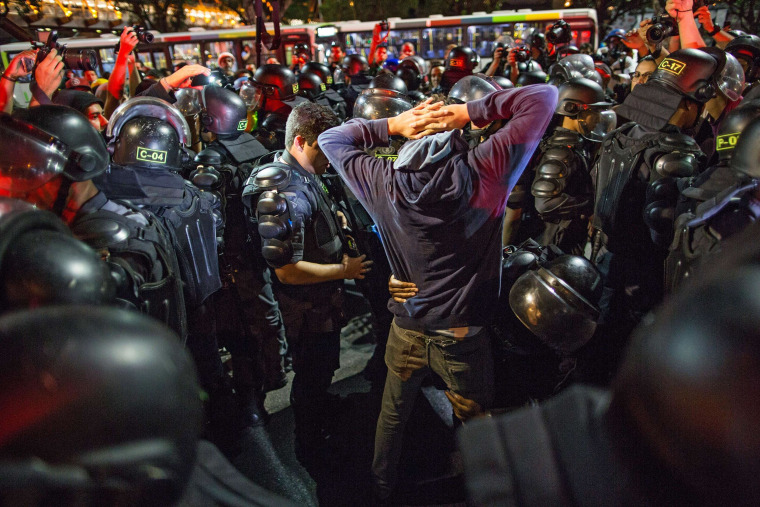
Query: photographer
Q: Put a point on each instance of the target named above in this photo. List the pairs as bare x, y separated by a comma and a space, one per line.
127, 42
47, 77
18, 68
681, 11
496, 68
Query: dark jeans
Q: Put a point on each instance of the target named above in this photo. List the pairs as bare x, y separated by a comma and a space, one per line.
465, 365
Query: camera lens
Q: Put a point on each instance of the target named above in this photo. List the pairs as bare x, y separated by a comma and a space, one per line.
656, 33
79, 60
146, 37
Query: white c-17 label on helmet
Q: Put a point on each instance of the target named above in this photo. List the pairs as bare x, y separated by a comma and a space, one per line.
148, 155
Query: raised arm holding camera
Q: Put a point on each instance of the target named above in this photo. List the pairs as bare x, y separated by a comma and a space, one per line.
682, 12
20, 66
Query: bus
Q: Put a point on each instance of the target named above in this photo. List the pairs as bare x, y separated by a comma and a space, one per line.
197, 46
480, 31
430, 36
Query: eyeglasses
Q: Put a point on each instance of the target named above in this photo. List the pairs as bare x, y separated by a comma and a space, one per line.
641, 75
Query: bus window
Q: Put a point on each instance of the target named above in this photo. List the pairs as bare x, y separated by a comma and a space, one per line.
190, 53
398, 37
214, 49
159, 57
357, 42
107, 59
483, 38
435, 41
249, 53
144, 58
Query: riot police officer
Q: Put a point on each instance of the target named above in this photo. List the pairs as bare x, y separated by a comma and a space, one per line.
357, 80
562, 188
301, 239
325, 95
460, 62
66, 153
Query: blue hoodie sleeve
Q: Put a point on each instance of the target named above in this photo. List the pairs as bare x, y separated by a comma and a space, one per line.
502, 157
344, 148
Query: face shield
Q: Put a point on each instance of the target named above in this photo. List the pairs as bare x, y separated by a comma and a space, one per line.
188, 101
253, 96
594, 124
731, 80
152, 108
36, 158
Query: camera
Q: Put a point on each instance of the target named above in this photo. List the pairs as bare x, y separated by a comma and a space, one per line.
559, 33
384, 26
522, 54
661, 28
142, 33
73, 59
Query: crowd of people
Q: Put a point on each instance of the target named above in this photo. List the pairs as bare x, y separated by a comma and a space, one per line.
513, 225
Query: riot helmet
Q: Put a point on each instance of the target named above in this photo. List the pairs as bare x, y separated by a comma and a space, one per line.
310, 86
534, 76
41, 263
461, 58
573, 66
689, 381
43, 142
746, 48
615, 32
746, 157
410, 76
320, 70
149, 143
99, 403
584, 100
355, 64
730, 79
537, 40
377, 103
387, 81
558, 301
473, 87
149, 107
690, 72
275, 82
224, 112
732, 127
503, 82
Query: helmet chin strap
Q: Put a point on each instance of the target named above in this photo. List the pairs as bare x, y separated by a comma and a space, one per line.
63, 195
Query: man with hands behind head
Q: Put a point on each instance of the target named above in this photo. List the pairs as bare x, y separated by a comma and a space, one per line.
439, 210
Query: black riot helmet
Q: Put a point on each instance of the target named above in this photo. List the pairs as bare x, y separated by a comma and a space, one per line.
578, 92
537, 40
149, 143
746, 48
276, 82
504, 82
573, 66
558, 302
377, 103
689, 72
386, 81
410, 72
732, 127
746, 157
355, 64
688, 385
310, 86
224, 112
461, 58
98, 403
43, 142
473, 87
41, 263
320, 70
529, 77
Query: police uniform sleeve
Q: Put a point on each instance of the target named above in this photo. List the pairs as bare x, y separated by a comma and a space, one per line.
554, 170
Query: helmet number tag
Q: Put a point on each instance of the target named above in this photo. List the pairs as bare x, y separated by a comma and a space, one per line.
295, 88
726, 141
456, 62
242, 124
672, 66
148, 155
322, 87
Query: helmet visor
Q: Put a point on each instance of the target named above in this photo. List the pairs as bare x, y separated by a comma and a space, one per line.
36, 158
151, 107
188, 101
594, 124
731, 80
253, 96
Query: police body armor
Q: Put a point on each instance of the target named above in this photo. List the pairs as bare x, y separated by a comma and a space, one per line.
636, 191
152, 284
700, 234
334, 101
562, 187
269, 213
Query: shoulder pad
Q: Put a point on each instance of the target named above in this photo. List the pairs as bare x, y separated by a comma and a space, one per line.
564, 137
210, 156
270, 176
676, 164
559, 153
102, 229
273, 122
681, 142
